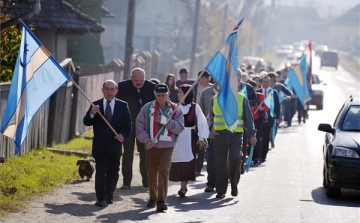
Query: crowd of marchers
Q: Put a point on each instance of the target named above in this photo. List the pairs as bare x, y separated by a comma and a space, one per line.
179, 124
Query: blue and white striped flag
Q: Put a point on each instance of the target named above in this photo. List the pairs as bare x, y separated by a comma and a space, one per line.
37, 75
223, 68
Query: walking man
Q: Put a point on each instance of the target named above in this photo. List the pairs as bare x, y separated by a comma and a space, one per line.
159, 149
228, 143
136, 92
106, 148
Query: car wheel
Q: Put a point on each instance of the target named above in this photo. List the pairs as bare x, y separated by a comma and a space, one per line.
319, 107
332, 192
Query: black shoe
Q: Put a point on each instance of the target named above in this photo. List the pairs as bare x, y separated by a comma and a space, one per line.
146, 184
234, 192
151, 203
109, 201
161, 206
255, 161
198, 174
101, 204
182, 192
263, 161
209, 189
219, 195
125, 187
242, 171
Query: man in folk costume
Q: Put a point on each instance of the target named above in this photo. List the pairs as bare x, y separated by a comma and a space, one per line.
228, 143
159, 146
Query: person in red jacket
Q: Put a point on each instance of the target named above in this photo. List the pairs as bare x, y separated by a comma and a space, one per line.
257, 120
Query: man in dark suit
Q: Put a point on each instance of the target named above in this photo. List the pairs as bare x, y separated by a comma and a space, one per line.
273, 114
136, 92
106, 148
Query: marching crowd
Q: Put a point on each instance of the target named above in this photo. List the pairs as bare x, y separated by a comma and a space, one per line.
174, 140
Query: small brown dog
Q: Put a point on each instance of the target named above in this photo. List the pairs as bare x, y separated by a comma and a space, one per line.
86, 167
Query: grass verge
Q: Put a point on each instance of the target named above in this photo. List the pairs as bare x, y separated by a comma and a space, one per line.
76, 144
39, 171
350, 64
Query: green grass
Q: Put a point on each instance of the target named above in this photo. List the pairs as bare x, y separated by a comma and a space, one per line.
79, 144
39, 171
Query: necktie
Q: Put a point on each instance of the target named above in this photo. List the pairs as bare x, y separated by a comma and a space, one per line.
108, 111
265, 91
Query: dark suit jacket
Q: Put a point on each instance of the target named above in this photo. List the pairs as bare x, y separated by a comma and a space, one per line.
251, 96
120, 121
276, 105
127, 92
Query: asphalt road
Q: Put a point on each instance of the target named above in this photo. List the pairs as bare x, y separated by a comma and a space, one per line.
286, 188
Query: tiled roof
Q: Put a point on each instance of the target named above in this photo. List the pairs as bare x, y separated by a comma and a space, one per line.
56, 15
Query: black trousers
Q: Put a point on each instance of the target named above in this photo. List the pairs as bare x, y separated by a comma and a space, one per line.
128, 158
107, 173
258, 146
266, 130
227, 145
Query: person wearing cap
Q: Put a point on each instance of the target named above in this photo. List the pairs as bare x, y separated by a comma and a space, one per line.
193, 138
106, 148
204, 82
184, 75
158, 126
136, 92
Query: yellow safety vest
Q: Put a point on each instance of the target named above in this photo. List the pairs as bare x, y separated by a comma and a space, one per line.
219, 121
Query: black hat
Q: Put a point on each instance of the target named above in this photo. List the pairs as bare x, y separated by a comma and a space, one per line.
161, 89
205, 74
272, 74
183, 70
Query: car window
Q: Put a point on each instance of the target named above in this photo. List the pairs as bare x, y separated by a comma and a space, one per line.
329, 55
352, 119
337, 116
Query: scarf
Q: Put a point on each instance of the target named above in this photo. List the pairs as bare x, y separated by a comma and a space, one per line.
154, 110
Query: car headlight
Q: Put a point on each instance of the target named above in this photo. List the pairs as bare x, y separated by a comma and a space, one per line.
317, 93
340, 151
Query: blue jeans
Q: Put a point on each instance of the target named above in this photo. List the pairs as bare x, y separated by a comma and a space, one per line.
210, 167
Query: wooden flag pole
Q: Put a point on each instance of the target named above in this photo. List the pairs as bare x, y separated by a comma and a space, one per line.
101, 115
181, 101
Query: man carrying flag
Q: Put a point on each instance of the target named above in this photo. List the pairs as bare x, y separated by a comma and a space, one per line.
228, 116
37, 75
272, 102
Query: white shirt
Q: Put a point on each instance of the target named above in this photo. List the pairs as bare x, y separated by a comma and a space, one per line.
112, 105
203, 128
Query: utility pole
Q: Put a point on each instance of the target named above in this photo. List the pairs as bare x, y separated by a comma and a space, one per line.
129, 39
194, 37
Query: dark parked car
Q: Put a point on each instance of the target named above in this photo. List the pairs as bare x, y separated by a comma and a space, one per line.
317, 92
329, 59
342, 150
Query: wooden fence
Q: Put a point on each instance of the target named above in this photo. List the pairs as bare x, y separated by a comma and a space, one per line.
60, 118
